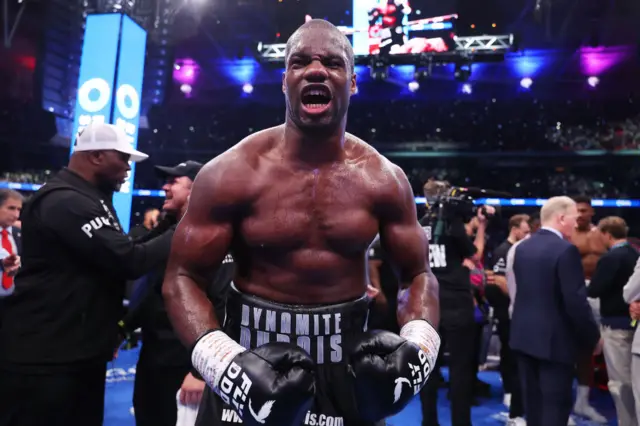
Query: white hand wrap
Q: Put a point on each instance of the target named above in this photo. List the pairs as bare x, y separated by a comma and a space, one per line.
426, 337
212, 355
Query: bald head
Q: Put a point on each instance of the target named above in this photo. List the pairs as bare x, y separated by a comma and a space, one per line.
323, 29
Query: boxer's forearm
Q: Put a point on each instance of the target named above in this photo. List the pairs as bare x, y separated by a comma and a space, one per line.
190, 310
420, 300
479, 241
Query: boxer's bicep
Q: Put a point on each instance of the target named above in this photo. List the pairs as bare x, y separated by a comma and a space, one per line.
402, 237
407, 245
198, 248
200, 244
203, 236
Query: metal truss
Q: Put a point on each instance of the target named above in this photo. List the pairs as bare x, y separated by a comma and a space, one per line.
501, 43
498, 44
9, 29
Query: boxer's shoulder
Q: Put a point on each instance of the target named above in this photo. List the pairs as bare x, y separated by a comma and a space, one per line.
240, 162
228, 179
374, 162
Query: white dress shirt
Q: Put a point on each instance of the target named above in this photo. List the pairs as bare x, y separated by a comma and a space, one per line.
11, 239
3, 253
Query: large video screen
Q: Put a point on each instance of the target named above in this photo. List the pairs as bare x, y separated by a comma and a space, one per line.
392, 27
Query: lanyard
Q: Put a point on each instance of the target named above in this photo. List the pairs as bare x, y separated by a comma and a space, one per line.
622, 244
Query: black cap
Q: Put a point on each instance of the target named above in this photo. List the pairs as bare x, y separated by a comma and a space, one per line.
188, 169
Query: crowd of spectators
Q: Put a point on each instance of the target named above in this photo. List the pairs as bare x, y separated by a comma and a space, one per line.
506, 127
480, 126
535, 182
525, 183
518, 124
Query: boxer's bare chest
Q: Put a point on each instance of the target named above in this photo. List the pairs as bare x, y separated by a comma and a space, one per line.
325, 209
591, 247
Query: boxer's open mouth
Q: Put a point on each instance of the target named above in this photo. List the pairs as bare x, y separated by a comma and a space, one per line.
316, 98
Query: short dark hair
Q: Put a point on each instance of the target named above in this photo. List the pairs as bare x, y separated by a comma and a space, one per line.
517, 219
582, 199
615, 226
321, 23
534, 219
435, 188
6, 194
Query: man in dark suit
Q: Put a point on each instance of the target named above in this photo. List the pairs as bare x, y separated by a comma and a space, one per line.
10, 241
552, 319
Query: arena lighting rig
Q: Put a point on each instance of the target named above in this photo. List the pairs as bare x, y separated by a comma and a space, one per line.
422, 42
484, 48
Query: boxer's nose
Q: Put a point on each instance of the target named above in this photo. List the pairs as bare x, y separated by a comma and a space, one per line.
316, 72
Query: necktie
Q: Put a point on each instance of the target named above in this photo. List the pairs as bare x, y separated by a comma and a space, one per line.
7, 281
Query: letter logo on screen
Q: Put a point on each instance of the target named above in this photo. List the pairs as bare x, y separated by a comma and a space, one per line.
99, 86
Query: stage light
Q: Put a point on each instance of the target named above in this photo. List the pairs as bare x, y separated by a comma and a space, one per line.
379, 68
462, 70
186, 89
526, 83
176, 67
413, 86
247, 88
466, 88
593, 81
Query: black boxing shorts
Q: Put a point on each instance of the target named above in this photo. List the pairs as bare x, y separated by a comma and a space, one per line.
324, 331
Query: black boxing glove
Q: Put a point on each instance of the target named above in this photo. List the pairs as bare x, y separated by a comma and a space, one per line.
273, 384
389, 369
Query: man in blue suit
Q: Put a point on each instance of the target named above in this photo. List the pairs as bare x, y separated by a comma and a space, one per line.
552, 319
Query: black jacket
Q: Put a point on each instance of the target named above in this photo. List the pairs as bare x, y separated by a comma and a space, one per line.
76, 260
612, 273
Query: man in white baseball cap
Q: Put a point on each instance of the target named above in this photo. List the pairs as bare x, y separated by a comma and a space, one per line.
104, 150
106, 137
76, 260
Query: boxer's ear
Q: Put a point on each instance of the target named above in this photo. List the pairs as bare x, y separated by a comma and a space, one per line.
354, 84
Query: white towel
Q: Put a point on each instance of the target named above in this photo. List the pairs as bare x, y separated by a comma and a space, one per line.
187, 414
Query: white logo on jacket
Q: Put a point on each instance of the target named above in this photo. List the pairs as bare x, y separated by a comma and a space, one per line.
94, 225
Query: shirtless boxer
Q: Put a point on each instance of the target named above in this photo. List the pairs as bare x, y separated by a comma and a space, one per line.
591, 246
298, 206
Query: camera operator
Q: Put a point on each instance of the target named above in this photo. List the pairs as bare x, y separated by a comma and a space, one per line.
449, 247
497, 294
